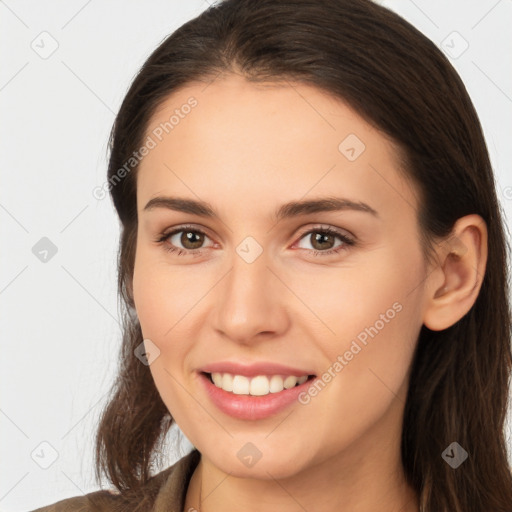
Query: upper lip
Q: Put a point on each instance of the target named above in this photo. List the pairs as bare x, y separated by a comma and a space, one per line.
254, 369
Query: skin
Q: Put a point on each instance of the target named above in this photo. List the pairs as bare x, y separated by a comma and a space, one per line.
246, 149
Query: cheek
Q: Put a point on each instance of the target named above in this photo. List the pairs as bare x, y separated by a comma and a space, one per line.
150, 303
366, 374
160, 307
162, 294
167, 300
376, 318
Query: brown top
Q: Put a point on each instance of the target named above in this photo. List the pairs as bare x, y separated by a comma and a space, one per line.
164, 492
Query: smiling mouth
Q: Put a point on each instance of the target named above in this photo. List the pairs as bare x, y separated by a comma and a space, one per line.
259, 385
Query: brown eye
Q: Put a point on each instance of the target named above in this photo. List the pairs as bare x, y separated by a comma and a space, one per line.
185, 241
189, 239
323, 241
320, 240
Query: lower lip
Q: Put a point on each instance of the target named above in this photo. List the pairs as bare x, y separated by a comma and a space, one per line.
250, 407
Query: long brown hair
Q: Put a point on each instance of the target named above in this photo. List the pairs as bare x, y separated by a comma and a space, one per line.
400, 82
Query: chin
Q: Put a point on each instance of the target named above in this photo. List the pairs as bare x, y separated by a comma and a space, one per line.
261, 459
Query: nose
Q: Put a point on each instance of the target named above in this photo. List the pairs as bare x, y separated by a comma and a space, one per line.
251, 302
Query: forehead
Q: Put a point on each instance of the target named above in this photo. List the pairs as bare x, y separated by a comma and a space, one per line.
232, 138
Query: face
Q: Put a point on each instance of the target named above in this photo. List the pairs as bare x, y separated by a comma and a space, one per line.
255, 289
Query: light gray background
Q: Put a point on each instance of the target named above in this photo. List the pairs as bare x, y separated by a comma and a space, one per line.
59, 327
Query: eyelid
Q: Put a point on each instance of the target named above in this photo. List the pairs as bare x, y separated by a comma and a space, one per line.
302, 232
347, 238
190, 227
327, 227
348, 241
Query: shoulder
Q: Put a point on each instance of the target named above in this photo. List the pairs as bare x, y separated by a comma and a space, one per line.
169, 487
99, 501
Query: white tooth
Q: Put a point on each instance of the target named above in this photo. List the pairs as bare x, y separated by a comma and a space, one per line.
227, 382
276, 384
290, 381
240, 385
259, 385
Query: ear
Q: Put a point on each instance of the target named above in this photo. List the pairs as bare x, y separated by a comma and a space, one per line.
453, 286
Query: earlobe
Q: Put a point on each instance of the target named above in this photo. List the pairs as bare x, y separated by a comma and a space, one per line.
454, 286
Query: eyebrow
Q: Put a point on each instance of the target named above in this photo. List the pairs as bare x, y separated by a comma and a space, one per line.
285, 211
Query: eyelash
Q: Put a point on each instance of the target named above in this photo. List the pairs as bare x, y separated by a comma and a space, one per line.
163, 237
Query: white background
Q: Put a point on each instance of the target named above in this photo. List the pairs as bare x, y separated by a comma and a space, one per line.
59, 327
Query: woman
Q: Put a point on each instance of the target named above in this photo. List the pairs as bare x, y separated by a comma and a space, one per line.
314, 268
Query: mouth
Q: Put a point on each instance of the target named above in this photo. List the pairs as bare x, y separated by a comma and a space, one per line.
254, 398
259, 385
